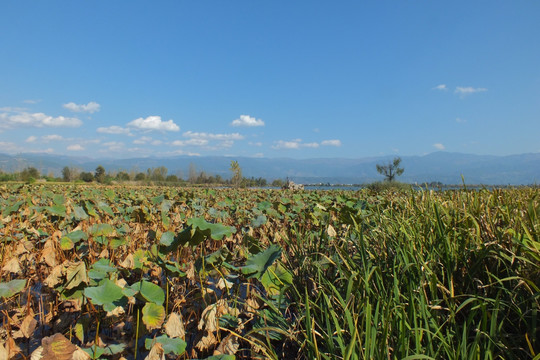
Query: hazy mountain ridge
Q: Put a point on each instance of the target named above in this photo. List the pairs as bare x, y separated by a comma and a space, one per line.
439, 166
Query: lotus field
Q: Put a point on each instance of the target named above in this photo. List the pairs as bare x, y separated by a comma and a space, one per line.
105, 272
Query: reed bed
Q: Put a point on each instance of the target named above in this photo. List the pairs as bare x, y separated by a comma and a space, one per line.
423, 275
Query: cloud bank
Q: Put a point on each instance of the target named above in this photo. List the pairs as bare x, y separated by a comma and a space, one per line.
10, 120
90, 108
246, 120
153, 123
297, 144
463, 91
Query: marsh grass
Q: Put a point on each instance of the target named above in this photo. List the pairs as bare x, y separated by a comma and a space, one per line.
424, 275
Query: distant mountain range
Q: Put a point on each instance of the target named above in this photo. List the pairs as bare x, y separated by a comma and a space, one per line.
443, 167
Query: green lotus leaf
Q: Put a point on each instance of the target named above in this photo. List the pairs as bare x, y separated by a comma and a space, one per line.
167, 238
140, 258
90, 209
214, 259
264, 205
276, 279
66, 243
158, 199
129, 292
111, 349
259, 221
166, 206
104, 266
79, 213
150, 291
106, 209
101, 230
12, 287
77, 236
101, 240
81, 327
116, 243
153, 315
8, 210
173, 268
176, 346
56, 210
59, 199
75, 275
215, 231
106, 293
257, 264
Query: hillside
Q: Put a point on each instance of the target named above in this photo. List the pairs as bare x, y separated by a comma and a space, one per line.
439, 166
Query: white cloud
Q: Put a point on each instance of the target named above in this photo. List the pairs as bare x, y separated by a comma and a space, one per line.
142, 140
114, 129
439, 146
41, 151
333, 142
460, 120
463, 91
91, 107
225, 144
258, 155
139, 150
157, 142
11, 119
113, 143
246, 120
441, 87
297, 144
75, 147
153, 123
281, 144
9, 147
258, 143
31, 139
13, 109
209, 136
48, 138
31, 101
182, 152
192, 142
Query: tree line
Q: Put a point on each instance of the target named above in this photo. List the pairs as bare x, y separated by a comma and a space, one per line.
159, 175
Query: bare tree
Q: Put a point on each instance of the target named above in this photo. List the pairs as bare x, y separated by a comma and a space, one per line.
390, 170
236, 179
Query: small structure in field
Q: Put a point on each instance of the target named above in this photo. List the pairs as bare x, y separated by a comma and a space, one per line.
291, 185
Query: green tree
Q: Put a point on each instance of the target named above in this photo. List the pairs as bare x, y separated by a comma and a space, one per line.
158, 174
172, 178
391, 169
140, 176
29, 173
66, 174
236, 179
86, 176
122, 176
99, 175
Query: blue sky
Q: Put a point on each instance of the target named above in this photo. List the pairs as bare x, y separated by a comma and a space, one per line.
302, 79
